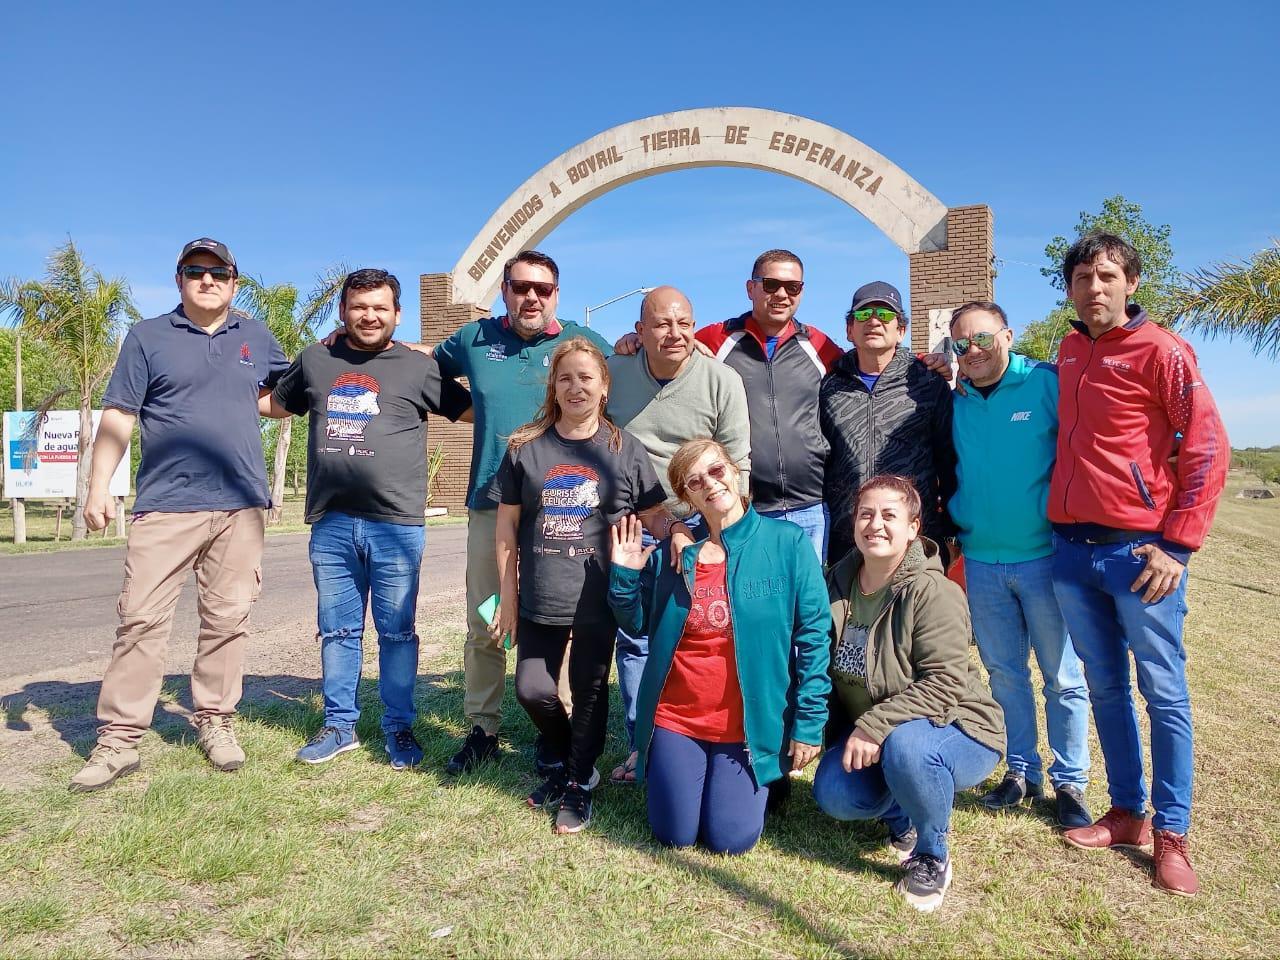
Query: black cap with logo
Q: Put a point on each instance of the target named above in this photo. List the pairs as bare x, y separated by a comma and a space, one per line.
878, 292
207, 245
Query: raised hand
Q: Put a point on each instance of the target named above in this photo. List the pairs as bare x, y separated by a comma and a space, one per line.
627, 549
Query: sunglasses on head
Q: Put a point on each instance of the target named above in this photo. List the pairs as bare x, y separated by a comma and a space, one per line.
717, 472
884, 314
521, 287
196, 271
773, 285
983, 341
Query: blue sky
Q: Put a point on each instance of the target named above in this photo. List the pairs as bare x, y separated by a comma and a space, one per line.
386, 134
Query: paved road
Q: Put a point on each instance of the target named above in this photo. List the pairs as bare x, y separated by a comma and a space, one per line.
60, 608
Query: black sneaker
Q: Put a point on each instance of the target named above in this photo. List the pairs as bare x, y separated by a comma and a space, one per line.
476, 749
1072, 811
926, 882
550, 790
1013, 789
575, 809
904, 845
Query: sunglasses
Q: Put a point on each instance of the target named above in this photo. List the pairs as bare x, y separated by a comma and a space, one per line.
983, 341
717, 472
883, 314
195, 271
521, 287
773, 285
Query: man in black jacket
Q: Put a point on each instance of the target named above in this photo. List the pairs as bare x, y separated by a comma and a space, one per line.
883, 411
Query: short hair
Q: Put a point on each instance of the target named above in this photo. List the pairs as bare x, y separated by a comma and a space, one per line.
775, 256
370, 278
535, 257
896, 483
689, 453
984, 305
1093, 245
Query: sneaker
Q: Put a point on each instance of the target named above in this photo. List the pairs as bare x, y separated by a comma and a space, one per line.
549, 792
904, 845
1070, 807
327, 744
575, 809
106, 765
926, 882
404, 749
1174, 873
476, 749
217, 739
1013, 789
1115, 828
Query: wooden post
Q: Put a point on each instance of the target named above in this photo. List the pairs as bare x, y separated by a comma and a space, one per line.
120, 528
57, 524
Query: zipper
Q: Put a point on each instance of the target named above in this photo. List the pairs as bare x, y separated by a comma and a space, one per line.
777, 434
1066, 490
737, 665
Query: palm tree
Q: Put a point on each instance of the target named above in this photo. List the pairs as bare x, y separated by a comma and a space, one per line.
294, 325
80, 315
1235, 300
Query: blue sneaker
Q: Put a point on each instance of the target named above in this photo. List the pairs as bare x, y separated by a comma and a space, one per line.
404, 749
327, 744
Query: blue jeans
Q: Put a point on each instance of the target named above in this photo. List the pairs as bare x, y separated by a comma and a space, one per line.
355, 561
697, 790
914, 783
813, 520
1108, 621
1014, 612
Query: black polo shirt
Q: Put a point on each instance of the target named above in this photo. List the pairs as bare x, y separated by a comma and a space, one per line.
196, 399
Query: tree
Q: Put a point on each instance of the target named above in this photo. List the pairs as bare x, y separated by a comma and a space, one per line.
1235, 300
294, 325
1040, 339
79, 315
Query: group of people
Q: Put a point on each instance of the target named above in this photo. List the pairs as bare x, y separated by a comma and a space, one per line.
764, 531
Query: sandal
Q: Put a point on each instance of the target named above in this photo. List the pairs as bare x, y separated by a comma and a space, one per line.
625, 773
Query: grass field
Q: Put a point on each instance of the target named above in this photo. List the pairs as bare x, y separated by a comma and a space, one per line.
351, 859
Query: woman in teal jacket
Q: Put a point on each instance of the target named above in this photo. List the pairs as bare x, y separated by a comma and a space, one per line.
718, 715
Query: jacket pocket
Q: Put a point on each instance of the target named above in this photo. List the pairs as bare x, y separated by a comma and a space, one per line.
1142, 485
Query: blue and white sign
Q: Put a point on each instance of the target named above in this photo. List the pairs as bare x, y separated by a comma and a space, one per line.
43, 467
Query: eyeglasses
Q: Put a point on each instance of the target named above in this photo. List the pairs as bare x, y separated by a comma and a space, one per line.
773, 285
883, 314
717, 472
521, 287
981, 340
196, 271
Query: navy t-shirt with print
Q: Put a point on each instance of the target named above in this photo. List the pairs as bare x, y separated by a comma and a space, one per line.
570, 492
195, 395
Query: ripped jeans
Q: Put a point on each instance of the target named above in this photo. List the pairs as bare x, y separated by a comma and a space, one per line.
358, 564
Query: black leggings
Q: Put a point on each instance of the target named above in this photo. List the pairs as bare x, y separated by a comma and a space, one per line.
540, 654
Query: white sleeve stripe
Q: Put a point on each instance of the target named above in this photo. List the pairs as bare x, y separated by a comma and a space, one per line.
812, 351
730, 342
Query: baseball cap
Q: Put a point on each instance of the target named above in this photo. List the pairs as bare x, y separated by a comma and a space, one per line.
207, 245
878, 292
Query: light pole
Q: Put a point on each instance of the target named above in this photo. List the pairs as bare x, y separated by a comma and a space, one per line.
586, 319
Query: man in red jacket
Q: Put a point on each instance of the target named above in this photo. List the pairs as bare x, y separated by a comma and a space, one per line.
1126, 521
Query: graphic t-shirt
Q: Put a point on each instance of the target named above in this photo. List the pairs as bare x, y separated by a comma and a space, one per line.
570, 492
849, 664
366, 451
702, 698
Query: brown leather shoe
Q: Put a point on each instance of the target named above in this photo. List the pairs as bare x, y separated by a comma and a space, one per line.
1115, 828
1174, 873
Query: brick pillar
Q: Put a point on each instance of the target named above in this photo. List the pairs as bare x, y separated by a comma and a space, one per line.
440, 318
946, 279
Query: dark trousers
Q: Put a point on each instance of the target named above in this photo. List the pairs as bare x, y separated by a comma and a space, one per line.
540, 654
705, 791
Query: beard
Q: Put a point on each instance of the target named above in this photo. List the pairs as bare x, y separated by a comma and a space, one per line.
529, 326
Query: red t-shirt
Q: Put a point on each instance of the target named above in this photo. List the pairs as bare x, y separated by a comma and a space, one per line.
702, 698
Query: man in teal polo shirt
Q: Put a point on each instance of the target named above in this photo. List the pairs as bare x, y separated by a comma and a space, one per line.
505, 360
1005, 427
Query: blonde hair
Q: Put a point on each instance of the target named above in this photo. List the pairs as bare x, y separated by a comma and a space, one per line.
549, 413
682, 461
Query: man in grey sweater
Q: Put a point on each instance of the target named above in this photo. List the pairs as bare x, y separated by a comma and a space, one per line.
663, 395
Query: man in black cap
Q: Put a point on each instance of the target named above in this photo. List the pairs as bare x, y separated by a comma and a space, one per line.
883, 411
191, 379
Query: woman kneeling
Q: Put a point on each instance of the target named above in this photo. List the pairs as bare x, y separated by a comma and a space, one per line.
923, 723
743, 612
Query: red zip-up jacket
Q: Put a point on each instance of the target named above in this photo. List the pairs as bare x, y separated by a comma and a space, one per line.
1123, 400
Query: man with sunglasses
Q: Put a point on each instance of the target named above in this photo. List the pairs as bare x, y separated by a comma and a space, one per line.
781, 361
1005, 426
505, 360
883, 411
191, 379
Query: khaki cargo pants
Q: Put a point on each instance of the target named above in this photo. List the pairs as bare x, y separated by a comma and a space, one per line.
224, 547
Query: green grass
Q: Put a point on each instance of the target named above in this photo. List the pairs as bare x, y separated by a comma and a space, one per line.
352, 859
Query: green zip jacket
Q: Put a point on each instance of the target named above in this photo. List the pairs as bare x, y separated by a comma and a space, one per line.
777, 604
918, 663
